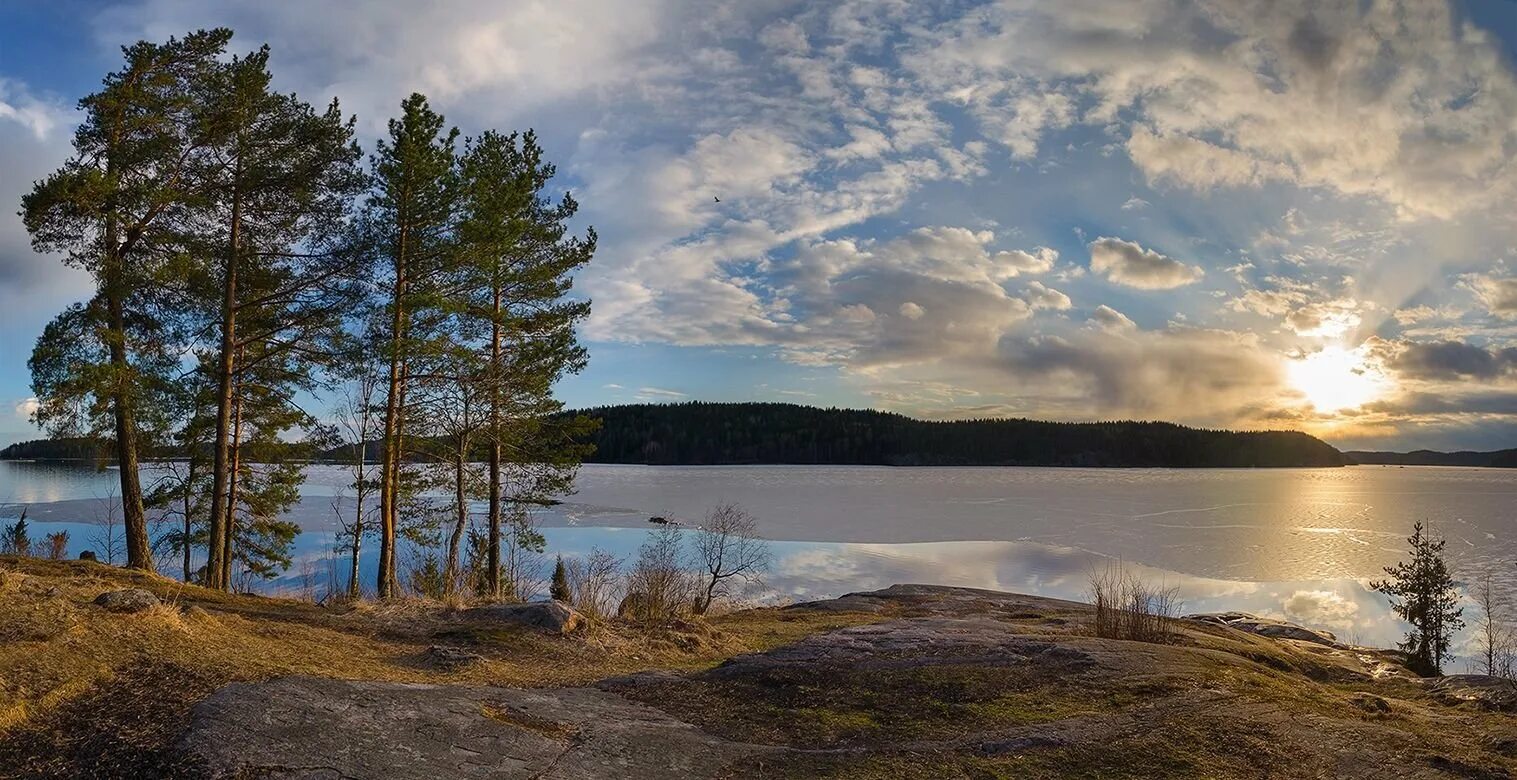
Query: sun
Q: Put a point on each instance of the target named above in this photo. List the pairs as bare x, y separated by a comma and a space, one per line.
1334, 379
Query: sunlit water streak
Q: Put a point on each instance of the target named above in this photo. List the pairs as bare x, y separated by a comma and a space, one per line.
1295, 543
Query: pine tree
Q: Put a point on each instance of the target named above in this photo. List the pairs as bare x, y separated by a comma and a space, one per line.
279, 177
1428, 600
411, 216
15, 539
559, 590
122, 209
515, 261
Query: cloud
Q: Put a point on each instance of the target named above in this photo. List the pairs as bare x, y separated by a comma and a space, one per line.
658, 393
26, 408
1041, 297
1498, 295
1175, 374
1450, 360
42, 118
1400, 101
1110, 319
1326, 319
1192, 162
1127, 263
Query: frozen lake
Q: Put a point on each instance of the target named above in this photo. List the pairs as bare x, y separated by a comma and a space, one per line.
1295, 542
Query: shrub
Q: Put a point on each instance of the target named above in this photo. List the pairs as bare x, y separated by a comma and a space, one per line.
593, 582
659, 588
1129, 608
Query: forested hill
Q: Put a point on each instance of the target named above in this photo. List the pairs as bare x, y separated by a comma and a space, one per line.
734, 433
1496, 459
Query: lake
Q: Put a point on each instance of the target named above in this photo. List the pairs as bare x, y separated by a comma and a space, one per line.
1297, 543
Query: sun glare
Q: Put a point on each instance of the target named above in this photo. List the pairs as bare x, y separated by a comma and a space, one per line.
1334, 379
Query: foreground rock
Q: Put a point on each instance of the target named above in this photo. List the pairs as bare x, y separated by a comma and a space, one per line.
312, 728
554, 616
949, 682
129, 600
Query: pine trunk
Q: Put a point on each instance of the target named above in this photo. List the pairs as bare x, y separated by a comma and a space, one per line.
389, 479
234, 466
139, 553
218, 565
495, 375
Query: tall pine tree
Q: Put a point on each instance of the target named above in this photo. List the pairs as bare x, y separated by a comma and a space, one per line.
411, 219
123, 209
279, 176
516, 260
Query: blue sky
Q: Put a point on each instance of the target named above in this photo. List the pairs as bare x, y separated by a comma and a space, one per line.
1243, 213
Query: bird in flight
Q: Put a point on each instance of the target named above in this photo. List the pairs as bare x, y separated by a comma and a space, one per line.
718, 200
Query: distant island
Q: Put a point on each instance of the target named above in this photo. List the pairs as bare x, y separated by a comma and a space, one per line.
700, 433
1494, 459
705, 433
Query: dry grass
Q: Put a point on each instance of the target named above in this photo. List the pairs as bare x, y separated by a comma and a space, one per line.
79, 684
1127, 607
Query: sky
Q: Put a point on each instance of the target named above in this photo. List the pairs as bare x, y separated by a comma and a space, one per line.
1240, 213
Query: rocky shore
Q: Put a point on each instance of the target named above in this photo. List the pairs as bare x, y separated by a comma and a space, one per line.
946, 682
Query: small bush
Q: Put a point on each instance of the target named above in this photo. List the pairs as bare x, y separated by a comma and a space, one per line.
659, 588
57, 546
1129, 608
593, 582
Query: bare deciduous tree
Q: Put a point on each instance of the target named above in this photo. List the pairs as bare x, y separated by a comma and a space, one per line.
1493, 637
728, 547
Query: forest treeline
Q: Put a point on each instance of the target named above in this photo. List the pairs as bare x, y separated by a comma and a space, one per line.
732, 433
247, 253
1494, 459
702, 433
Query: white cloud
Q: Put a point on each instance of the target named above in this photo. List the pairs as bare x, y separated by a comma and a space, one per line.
1041, 297
658, 393
26, 408
1498, 295
1127, 263
1110, 319
1193, 162
1326, 319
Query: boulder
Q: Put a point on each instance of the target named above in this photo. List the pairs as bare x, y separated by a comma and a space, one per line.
87, 555
553, 616
129, 600
1484, 691
1266, 627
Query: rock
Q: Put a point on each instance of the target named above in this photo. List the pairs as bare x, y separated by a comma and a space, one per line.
1266, 627
300, 727
941, 600
129, 600
546, 615
451, 658
1370, 703
1484, 691
87, 555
